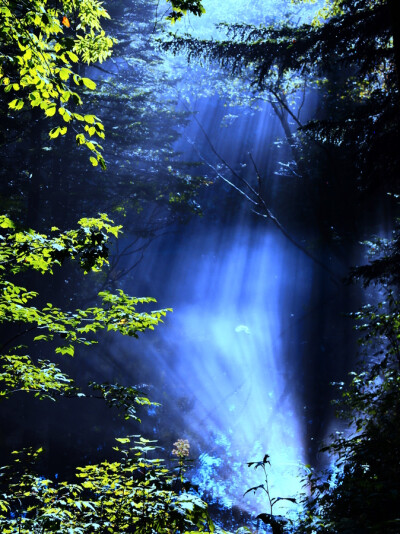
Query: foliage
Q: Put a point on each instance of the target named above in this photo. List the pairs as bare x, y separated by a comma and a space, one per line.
280, 48
384, 259
277, 522
46, 184
181, 7
136, 493
361, 491
43, 48
132, 494
348, 150
22, 250
42, 45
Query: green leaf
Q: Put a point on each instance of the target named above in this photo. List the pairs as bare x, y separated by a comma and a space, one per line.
51, 111
73, 57
54, 133
90, 84
69, 349
64, 74
16, 104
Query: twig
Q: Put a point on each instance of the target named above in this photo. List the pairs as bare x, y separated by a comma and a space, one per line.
260, 202
17, 336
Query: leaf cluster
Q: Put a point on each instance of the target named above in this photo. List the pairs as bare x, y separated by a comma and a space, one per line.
132, 494
42, 45
181, 7
361, 491
57, 330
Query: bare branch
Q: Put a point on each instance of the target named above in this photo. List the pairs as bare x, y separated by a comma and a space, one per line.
256, 199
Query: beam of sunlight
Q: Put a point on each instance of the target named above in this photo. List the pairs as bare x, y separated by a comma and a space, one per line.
222, 362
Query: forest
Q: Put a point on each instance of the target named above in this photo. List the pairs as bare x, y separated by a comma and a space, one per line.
199, 266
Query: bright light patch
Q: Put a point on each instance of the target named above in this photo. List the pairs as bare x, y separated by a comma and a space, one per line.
222, 360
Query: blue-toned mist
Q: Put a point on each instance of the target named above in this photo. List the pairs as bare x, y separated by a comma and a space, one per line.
237, 366
223, 357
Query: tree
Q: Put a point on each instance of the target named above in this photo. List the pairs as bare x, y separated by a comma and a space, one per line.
361, 491
44, 47
348, 152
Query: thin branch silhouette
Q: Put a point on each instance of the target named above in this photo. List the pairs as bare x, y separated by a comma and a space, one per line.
256, 199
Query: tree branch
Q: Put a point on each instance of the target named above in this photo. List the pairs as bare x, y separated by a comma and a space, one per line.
258, 200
